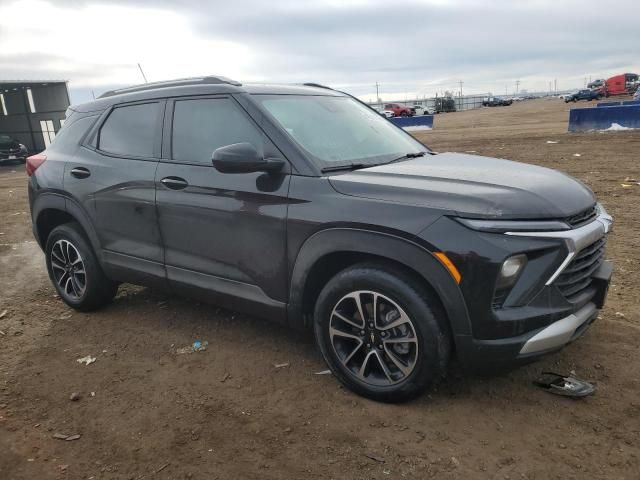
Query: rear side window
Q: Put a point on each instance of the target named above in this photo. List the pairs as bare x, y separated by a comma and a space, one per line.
200, 126
72, 132
130, 130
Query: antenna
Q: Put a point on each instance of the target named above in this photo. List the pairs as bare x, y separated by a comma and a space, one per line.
143, 75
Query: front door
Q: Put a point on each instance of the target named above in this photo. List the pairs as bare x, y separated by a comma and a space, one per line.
224, 235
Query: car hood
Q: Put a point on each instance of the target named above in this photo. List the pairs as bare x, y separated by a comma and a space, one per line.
10, 145
471, 185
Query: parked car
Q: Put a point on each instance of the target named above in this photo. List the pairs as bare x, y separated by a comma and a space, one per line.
11, 150
302, 205
496, 102
596, 84
584, 94
399, 110
422, 110
383, 112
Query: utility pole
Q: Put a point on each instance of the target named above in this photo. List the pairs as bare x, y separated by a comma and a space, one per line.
143, 75
555, 85
517, 86
460, 82
377, 91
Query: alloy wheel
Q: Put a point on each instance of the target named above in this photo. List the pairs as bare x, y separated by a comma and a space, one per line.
68, 269
373, 338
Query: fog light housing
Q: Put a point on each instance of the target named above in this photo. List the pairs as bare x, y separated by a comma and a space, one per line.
510, 271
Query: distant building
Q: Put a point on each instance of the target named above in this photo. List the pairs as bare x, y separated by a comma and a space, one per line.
32, 112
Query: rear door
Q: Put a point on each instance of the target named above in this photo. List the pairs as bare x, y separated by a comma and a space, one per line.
224, 234
112, 178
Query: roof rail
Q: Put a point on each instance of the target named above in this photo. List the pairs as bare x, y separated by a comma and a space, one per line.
317, 85
208, 80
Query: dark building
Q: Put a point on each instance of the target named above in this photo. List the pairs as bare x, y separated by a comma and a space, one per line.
32, 112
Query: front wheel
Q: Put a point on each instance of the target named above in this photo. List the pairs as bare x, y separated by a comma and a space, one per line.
381, 332
74, 269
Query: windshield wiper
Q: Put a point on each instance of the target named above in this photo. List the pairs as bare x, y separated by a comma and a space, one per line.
348, 166
408, 155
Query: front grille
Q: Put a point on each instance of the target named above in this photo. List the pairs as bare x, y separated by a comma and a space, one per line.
576, 278
583, 217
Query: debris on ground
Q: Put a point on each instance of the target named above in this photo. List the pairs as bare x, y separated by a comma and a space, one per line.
88, 360
564, 385
196, 346
68, 438
281, 365
577, 155
620, 314
225, 377
551, 141
323, 372
158, 470
74, 397
4, 312
374, 457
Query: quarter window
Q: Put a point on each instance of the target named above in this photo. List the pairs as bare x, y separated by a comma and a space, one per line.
130, 130
200, 126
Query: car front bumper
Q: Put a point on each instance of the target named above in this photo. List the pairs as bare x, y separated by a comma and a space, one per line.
483, 355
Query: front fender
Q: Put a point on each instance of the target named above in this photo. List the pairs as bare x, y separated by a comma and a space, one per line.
401, 250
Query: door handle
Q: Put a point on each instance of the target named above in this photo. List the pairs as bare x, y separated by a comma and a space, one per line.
174, 183
80, 172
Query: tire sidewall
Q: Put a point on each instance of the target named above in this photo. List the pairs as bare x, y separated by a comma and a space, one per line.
401, 291
92, 269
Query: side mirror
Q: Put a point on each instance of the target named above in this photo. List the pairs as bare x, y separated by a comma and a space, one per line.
243, 158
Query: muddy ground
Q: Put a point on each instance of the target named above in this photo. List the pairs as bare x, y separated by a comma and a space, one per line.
228, 413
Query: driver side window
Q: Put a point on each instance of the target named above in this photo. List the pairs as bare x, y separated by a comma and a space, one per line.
202, 125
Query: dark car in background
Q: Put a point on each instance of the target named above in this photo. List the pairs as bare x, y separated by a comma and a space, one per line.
11, 150
496, 102
584, 94
303, 205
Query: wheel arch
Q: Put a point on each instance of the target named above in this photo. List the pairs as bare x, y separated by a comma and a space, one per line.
327, 252
52, 210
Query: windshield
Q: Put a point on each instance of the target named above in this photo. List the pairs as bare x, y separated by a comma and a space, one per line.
339, 130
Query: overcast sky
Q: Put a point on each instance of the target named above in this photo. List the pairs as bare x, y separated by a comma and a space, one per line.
412, 48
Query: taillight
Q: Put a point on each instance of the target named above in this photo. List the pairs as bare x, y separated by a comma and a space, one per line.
33, 162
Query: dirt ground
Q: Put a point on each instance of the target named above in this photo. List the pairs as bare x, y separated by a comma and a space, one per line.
229, 413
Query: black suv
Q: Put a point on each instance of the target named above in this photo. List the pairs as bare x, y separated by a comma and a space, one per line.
11, 150
303, 205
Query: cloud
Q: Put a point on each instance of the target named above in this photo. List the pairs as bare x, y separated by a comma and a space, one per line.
406, 45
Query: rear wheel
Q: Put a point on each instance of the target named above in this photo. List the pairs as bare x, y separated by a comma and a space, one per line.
74, 269
381, 333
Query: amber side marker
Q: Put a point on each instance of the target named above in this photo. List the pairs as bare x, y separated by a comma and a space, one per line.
449, 266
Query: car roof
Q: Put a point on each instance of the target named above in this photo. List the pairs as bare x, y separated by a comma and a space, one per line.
199, 86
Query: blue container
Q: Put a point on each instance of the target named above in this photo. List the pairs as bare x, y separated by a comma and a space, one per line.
417, 123
585, 119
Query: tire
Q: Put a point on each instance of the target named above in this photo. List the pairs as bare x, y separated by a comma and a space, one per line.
67, 249
404, 114
399, 297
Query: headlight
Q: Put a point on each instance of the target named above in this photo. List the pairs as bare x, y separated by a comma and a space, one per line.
510, 271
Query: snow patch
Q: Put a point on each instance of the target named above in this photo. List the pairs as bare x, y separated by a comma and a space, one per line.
616, 127
416, 128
